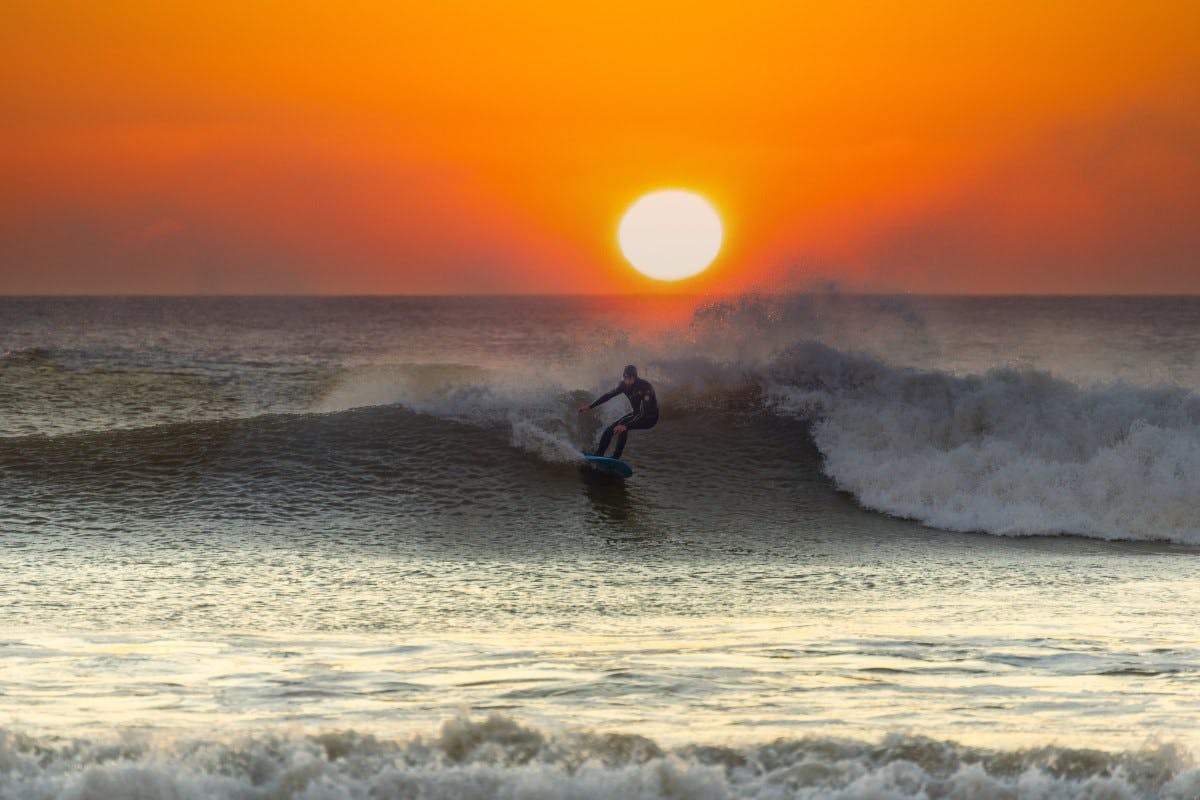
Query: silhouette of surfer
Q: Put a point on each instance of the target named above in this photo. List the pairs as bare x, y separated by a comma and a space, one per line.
644, 414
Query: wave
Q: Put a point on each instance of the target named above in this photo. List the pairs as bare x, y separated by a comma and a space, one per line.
537, 412
28, 356
1008, 451
498, 757
302, 450
1011, 451
57, 391
364, 470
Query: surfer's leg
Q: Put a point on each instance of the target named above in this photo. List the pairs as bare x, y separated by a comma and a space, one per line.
605, 438
621, 443
641, 424
608, 434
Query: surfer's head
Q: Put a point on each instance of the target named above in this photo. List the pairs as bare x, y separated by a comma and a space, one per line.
629, 375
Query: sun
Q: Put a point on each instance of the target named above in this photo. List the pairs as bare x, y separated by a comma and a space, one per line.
670, 234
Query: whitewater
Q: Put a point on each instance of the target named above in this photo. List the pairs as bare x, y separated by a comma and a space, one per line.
339, 547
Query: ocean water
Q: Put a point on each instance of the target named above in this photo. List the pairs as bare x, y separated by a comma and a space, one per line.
877, 547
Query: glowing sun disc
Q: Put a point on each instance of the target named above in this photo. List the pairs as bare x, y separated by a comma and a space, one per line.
670, 234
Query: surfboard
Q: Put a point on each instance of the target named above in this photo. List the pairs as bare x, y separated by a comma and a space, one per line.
613, 465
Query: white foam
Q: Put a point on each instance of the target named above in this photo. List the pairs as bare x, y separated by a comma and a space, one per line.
1007, 452
499, 758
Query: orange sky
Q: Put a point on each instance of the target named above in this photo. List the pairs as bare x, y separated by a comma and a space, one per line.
465, 147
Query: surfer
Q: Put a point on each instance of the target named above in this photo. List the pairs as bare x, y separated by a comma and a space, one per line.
644, 414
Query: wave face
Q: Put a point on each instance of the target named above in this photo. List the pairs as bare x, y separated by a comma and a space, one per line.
500, 758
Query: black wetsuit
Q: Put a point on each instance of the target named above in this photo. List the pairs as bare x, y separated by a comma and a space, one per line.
644, 415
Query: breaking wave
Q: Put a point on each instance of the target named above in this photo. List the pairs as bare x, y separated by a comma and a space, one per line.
500, 758
1008, 451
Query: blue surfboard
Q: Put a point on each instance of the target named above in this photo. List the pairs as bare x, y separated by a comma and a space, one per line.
613, 465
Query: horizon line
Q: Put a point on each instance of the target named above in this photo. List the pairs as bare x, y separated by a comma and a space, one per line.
639, 295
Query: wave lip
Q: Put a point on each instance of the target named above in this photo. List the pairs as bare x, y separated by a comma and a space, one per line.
499, 757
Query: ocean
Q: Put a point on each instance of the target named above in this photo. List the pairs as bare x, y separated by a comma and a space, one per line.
876, 547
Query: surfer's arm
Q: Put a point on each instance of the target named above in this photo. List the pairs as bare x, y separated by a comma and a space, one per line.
604, 398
